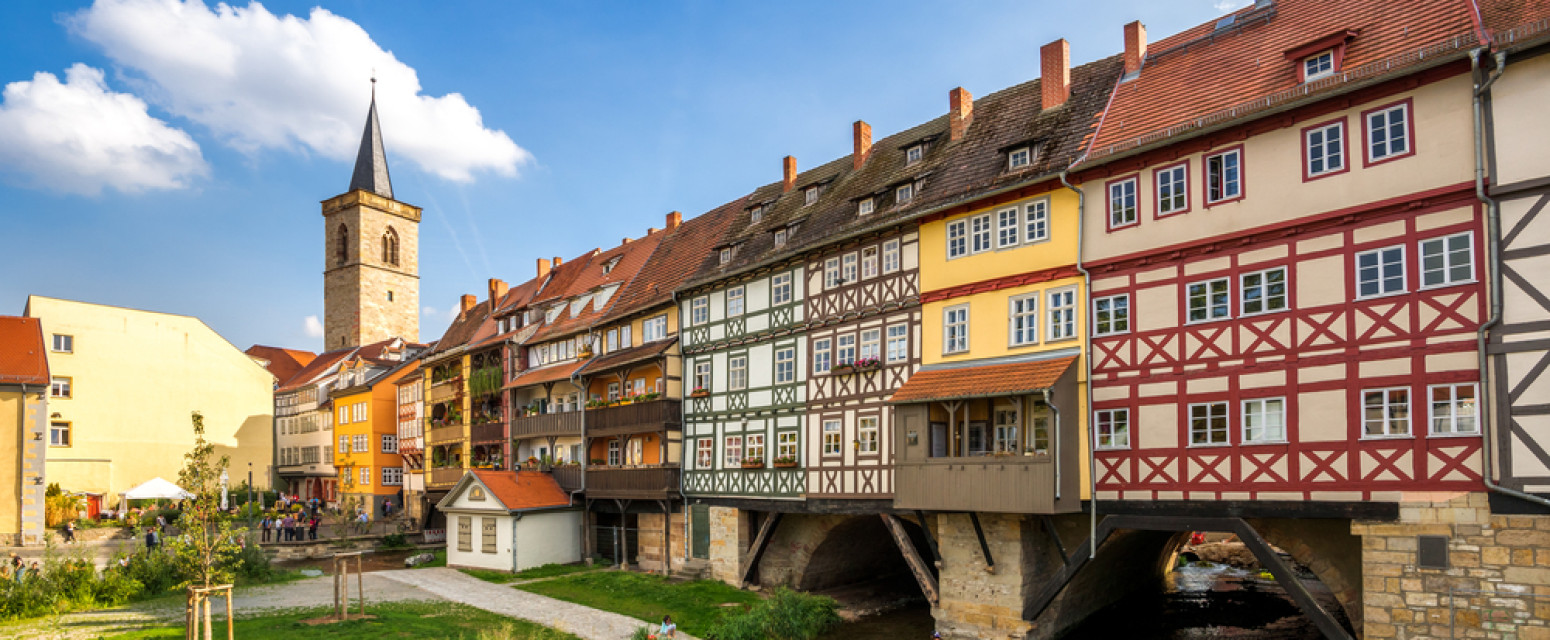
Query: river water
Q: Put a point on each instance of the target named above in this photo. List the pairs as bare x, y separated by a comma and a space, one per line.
1199, 601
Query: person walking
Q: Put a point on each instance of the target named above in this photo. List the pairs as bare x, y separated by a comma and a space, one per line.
312, 528
263, 525
69, 532
150, 539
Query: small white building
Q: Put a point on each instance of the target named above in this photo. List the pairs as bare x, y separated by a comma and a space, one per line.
510, 521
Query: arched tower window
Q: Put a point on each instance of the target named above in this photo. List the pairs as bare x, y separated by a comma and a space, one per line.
343, 255
390, 247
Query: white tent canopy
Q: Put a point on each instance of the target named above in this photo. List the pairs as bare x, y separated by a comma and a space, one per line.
157, 489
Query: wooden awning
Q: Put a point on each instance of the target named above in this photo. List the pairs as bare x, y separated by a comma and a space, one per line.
988, 381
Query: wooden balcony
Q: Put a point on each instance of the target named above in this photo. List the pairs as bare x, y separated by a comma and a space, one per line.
443, 435
443, 478
488, 432
569, 476
640, 417
548, 424
655, 482
445, 390
999, 484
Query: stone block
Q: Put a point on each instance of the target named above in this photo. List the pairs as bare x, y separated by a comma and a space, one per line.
1464, 558
1527, 575
1421, 599
1527, 632
1523, 557
1495, 555
1521, 537
1405, 543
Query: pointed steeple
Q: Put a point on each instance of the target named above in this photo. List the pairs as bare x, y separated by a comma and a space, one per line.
371, 169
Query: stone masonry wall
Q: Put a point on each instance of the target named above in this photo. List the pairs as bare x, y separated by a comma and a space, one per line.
976, 603
1496, 565
649, 542
729, 539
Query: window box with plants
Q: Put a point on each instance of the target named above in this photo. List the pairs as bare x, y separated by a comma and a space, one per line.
597, 462
596, 404
700, 392
753, 463
785, 463
867, 364
843, 368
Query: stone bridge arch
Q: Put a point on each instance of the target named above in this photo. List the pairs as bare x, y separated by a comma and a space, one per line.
815, 552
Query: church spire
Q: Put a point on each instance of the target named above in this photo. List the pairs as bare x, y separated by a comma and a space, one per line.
371, 169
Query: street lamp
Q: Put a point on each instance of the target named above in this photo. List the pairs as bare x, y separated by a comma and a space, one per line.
249, 507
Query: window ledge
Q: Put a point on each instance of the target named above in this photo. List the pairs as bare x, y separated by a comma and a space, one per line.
1400, 436
1460, 283
1111, 334
1375, 296
1460, 434
1189, 323
1209, 445
1257, 314
1255, 443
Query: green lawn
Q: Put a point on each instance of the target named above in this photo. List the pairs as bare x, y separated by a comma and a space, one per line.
546, 571
395, 620
693, 605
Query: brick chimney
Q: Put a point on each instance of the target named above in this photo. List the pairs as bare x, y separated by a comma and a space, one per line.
1135, 46
674, 219
557, 261
960, 110
1055, 79
543, 267
789, 165
863, 144
467, 302
497, 290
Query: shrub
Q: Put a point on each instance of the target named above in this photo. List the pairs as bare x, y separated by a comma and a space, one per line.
786, 615
253, 564
395, 541
156, 572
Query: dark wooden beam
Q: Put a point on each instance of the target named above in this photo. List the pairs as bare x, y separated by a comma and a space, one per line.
1054, 536
936, 554
1252, 509
979, 532
756, 551
1289, 581
1074, 563
923, 575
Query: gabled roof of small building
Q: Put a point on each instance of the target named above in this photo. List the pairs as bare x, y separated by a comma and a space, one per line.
22, 356
513, 490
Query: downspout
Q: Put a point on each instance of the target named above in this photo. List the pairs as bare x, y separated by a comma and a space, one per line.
682, 421
1493, 270
1049, 403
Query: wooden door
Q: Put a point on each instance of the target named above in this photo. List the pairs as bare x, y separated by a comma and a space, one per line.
700, 514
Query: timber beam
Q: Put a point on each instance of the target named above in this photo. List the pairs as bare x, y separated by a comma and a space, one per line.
936, 554
979, 532
923, 575
760, 543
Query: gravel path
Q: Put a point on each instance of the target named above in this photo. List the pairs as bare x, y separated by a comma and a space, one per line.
584, 622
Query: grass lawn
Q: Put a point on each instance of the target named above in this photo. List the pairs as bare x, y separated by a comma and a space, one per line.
394, 620
546, 571
693, 605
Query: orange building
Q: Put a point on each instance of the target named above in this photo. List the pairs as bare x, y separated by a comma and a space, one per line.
366, 455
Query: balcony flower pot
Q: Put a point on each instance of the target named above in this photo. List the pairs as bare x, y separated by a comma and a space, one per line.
867, 364
785, 463
842, 369
699, 393
753, 463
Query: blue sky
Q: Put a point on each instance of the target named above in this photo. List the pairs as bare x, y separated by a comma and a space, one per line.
174, 157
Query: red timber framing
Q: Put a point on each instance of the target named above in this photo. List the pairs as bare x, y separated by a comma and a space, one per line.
1324, 349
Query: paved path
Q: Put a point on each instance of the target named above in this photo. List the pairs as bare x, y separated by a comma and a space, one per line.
584, 622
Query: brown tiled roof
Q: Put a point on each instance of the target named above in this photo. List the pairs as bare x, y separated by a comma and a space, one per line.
981, 382
283, 363
631, 257
677, 258
951, 172
628, 356
463, 328
518, 490
1511, 21
554, 373
22, 358
316, 368
1206, 75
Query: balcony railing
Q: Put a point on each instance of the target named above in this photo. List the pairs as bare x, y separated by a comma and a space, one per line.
488, 432
569, 476
644, 482
654, 415
548, 424
444, 477
443, 391
440, 435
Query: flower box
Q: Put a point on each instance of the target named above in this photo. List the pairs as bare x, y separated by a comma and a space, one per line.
753, 463
699, 393
785, 464
842, 369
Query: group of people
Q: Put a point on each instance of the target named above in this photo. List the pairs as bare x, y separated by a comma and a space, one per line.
17, 569
289, 527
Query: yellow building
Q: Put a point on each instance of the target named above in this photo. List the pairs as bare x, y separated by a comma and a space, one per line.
24, 385
125, 383
371, 471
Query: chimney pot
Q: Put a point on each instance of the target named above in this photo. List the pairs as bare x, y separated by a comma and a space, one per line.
468, 301
543, 267
674, 219
1055, 65
557, 260
651, 230
789, 165
497, 291
863, 144
625, 241
960, 111
1135, 46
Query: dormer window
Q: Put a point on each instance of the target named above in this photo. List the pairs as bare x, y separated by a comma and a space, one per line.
756, 214
865, 206
904, 194
1019, 158
726, 255
1318, 65
809, 196
609, 266
780, 237
914, 154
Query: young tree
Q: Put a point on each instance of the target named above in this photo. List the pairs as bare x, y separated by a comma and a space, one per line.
207, 546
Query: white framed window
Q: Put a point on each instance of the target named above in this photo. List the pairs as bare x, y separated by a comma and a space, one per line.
1224, 176
1208, 424
821, 356
785, 365
1008, 228
832, 436
1113, 428
58, 434
1262, 291
809, 196
845, 349
1036, 221
344, 415
955, 329
1062, 314
392, 476
735, 302
59, 387
705, 453
865, 206
365, 476
389, 443
869, 262
755, 214
871, 345
755, 445
1019, 158
63, 343
914, 154
957, 238
654, 328
786, 445
361, 443
831, 273
780, 237
1023, 319
1318, 65
726, 255
612, 340
1453, 409
732, 452
1172, 185
890, 256
904, 194
898, 343
867, 434
980, 233
848, 269
1264, 420
344, 444
737, 373
1122, 203
1386, 412
1448, 260
1111, 315
1324, 147
702, 378
614, 391
780, 289
615, 453
699, 310
1380, 272
1209, 300
1388, 132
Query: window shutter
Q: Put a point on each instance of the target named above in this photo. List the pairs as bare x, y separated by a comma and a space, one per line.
465, 533
489, 535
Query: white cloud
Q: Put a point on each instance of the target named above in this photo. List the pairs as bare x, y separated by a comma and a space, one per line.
1225, 6
261, 81
312, 326
78, 136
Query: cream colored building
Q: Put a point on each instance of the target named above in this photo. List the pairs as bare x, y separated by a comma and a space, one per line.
125, 384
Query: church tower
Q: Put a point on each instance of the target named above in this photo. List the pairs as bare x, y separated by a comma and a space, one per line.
371, 275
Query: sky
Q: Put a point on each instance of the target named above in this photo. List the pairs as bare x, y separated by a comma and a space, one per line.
171, 156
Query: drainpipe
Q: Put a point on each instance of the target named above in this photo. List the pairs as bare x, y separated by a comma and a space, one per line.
1049, 403
682, 422
1493, 271
1087, 362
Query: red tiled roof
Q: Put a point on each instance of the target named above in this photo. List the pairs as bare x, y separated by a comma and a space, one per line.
314, 369
524, 489
554, 373
676, 259
980, 382
22, 358
629, 356
1203, 70
1504, 16
283, 363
